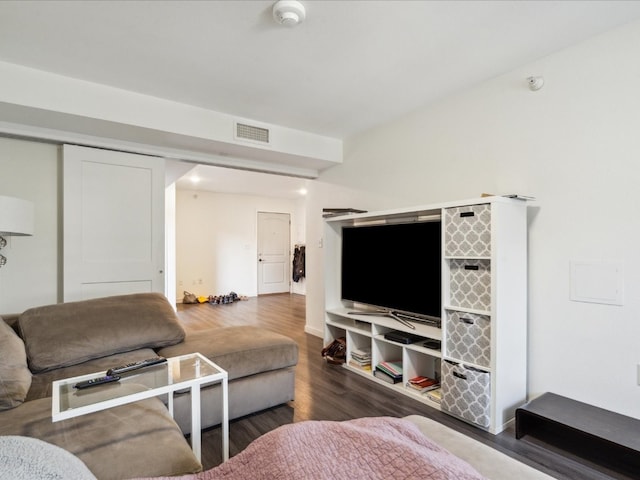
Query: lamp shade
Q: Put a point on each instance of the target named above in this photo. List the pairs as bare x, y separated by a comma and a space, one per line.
16, 216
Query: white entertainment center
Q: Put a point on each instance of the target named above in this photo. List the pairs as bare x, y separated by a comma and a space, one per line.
482, 362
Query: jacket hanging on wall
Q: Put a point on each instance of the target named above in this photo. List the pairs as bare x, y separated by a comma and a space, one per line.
298, 263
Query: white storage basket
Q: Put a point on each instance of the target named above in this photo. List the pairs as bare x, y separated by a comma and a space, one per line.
466, 393
468, 231
470, 284
469, 338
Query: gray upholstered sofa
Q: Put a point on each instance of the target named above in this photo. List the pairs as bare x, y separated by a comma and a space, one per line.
52, 342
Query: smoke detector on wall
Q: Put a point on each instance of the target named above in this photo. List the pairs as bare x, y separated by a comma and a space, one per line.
288, 12
535, 83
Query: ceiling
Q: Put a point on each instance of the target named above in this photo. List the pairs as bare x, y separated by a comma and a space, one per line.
350, 66
241, 182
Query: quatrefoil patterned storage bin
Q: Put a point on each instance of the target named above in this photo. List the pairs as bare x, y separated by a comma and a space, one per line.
470, 284
467, 231
466, 393
469, 338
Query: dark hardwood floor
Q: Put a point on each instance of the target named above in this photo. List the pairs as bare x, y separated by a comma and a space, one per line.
329, 392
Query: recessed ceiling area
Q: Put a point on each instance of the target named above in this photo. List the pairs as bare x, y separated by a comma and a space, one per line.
241, 182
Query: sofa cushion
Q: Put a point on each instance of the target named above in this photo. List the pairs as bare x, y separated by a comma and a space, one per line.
15, 377
241, 351
70, 333
11, 319
135, 440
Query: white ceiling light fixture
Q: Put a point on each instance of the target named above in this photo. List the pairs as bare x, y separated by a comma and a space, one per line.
288, 12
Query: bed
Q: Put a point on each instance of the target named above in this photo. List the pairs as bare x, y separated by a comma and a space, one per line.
413, 447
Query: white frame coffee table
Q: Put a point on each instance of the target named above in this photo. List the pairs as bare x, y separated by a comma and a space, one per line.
190, 371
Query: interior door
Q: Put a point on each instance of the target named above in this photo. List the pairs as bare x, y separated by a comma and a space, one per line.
273, 252
113, 225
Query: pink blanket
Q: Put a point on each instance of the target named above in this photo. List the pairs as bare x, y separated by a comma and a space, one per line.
366, 448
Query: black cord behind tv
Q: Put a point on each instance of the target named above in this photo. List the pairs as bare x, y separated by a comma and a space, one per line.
394, 267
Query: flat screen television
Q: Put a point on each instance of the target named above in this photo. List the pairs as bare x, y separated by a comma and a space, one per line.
395, 267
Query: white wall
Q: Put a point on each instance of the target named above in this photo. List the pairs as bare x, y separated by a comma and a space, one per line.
298, 236
575, 146
170, 241
28, 170
216, 240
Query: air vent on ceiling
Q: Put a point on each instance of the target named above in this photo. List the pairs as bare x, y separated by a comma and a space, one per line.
252, 133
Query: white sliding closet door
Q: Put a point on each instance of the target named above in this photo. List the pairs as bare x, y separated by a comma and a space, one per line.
113, 225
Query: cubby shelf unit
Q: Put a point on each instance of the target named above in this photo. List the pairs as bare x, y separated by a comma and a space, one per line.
483, 334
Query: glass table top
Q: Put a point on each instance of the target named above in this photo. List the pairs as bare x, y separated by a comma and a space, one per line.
175, 374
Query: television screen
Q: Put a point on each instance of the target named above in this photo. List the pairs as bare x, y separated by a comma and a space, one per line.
394, 266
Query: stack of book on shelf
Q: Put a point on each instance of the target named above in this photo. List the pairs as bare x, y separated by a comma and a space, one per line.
423, 384
389, 371
434, 395
361, 358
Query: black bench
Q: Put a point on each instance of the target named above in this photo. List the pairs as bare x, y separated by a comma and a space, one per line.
603, 437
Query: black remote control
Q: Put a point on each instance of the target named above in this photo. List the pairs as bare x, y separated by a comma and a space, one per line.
97, 381
135, 365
